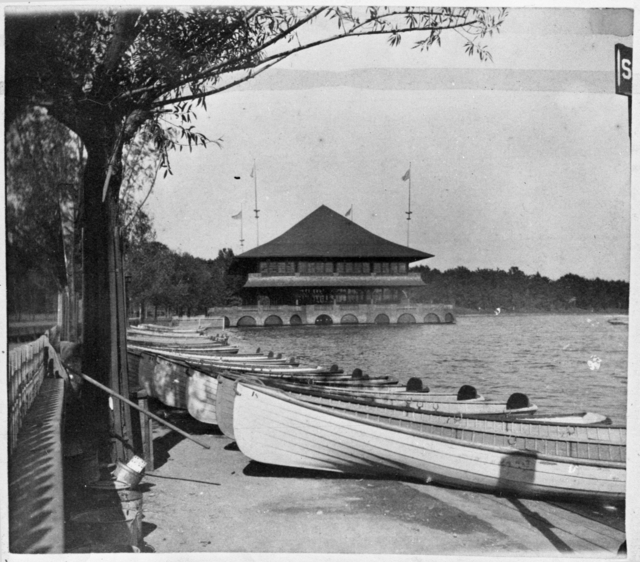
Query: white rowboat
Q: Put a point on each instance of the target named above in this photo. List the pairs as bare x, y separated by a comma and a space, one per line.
273, 427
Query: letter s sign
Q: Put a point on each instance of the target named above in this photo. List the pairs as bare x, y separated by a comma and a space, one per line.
624, 74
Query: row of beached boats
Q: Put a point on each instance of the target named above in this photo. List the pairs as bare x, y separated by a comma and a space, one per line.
319, 417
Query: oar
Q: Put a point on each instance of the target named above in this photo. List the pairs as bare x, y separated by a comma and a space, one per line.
134, 405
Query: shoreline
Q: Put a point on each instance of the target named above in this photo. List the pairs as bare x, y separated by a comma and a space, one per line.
249, 507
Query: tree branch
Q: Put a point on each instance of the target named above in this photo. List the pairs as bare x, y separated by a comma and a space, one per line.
218, 67
281, 56
124, 34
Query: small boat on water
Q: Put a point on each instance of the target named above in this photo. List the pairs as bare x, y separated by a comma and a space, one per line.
156, 328
249, 358
216, 349
274, 370
517, 404
274, 427
395, 393
619, 320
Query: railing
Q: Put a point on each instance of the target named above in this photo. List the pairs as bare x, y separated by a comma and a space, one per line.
259, 275
27, 367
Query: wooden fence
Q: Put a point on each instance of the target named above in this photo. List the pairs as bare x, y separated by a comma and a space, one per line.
26, 370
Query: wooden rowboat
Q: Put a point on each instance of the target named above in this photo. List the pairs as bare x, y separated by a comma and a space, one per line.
179, 386
273, 427
182, 348
518, 404
254, 358
592, 430
275, 370
583, 427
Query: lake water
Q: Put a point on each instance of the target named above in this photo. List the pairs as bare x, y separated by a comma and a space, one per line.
548, 357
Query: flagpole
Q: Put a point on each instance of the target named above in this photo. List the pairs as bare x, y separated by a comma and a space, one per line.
409, 209
241, 229
255, 187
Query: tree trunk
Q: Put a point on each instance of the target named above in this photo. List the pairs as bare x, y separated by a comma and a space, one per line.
103, 357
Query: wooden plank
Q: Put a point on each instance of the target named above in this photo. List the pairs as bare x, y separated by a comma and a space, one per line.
540, 526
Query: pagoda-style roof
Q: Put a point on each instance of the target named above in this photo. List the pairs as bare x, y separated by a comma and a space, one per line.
327, 234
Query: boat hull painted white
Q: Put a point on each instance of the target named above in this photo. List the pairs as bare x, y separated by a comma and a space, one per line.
202, 390
273, 428
224, 405
179, 386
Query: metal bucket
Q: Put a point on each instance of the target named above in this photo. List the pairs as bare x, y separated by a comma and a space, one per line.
126, 475
109, 525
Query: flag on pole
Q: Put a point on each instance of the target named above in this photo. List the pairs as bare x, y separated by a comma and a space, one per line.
253, 170
238, 216
348, 213
407, 175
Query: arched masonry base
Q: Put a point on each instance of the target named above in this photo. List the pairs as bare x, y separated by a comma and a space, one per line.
343, 314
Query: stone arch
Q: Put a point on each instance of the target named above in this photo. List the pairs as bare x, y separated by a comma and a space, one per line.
324, 320
432, 318
295, 320
406, 318
273, 320
349, 319
246, 321
382, 319
449, 319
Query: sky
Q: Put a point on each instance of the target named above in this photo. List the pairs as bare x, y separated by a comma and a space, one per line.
523, 161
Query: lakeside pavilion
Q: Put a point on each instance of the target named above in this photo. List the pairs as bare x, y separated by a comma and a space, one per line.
327, 269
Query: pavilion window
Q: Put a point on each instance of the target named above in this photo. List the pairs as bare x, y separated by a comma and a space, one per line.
290, 267
402, 268
385, 267
311, 267
393, 269
377, 267
340, 267
348, 267
366, 268
328, 267
281, 267
264, 267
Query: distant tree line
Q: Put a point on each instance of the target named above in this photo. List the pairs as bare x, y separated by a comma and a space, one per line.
178, 282
488, 289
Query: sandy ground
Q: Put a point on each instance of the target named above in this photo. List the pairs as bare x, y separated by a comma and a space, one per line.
219, 501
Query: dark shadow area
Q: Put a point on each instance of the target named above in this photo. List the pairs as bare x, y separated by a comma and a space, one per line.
262, 470
612, 515
543, 525
163, 444
36, 506
233, 446
148, 528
